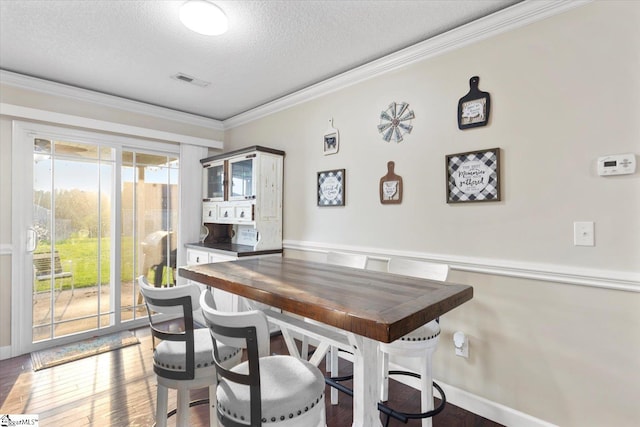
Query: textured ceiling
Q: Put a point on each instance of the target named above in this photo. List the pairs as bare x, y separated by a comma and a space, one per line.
130, 48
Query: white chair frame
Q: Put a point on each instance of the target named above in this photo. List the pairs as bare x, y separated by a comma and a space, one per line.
250, 330
181, 301
421, 349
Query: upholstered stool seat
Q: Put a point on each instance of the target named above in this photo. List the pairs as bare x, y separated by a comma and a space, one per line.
425, 335
290, 388
170, 354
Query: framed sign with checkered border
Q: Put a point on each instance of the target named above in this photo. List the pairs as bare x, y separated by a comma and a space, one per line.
331, 187
473, 176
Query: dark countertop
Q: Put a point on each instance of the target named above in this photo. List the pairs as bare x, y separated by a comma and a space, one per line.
233, 249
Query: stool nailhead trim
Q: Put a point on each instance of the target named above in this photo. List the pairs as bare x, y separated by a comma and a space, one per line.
420, 338
275, 418
199, 365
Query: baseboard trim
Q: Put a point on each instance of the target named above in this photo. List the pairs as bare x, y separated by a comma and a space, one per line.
476, 404
561, 274
488, 409
5, 352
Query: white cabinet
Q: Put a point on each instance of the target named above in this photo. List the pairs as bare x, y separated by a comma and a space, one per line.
243, 189
225, 301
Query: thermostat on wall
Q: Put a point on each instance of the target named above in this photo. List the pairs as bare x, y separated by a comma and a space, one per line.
618, 164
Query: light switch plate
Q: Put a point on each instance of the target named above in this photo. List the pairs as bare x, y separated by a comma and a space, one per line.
583, 233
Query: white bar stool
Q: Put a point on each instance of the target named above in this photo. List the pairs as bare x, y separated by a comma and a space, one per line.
420, 343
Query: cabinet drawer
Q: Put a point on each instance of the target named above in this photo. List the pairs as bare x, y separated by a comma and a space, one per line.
244, 213
197, 257
226, 212
209, 212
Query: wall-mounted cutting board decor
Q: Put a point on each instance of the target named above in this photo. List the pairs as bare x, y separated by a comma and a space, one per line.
391, 186
331, 140
474, 107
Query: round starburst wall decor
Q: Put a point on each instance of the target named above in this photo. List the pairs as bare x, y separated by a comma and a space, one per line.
395, 121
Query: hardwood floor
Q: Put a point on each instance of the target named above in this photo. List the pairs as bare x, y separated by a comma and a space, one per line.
118, 388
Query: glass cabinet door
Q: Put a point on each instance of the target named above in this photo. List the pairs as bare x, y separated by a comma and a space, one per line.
242, 185
214, 186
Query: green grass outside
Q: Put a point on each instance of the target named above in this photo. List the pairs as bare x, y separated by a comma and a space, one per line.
80, 257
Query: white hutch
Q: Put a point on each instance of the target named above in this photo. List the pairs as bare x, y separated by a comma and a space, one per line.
241, 206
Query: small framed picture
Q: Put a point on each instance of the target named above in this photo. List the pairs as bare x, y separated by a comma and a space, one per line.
473, 176
331, 140
331, 188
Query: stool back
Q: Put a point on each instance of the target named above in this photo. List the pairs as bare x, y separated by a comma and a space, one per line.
415, 268
347, 260
248, 330
178, 300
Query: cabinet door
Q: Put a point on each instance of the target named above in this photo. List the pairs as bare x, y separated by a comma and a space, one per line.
225, 301
214, 184
241, 175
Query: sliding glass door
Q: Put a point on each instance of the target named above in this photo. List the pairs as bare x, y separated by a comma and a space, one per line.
100, 213
72, 212
149, 212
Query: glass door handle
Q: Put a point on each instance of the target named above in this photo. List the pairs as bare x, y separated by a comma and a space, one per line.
32, 239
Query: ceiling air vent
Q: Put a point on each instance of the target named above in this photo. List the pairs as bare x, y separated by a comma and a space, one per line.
191, 80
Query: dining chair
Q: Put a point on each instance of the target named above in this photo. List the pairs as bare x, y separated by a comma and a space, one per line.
346, 260
182, 359
420, 343
278, 390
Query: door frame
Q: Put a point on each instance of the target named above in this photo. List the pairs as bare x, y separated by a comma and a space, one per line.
21, 210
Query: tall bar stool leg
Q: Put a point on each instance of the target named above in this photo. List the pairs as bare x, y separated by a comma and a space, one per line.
426, 387
183, 408
384, 375
161, 406
332, 360
213, 416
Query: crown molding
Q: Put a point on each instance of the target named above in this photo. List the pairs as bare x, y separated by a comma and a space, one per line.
47, 87
20, 112
518, 15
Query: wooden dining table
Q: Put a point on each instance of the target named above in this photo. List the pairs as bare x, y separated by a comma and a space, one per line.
366, 306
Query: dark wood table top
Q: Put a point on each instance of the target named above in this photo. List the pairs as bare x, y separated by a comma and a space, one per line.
374, 304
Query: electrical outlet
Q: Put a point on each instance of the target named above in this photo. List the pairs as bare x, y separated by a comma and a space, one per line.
461, 344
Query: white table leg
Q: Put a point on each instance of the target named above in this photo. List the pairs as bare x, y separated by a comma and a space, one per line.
366, 382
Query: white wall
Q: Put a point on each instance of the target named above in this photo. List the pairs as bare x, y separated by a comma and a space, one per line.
564, 91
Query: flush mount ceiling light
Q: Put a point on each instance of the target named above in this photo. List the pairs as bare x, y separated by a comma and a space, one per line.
203, 17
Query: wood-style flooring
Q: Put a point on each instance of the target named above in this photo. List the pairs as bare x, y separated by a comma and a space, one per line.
118, 388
